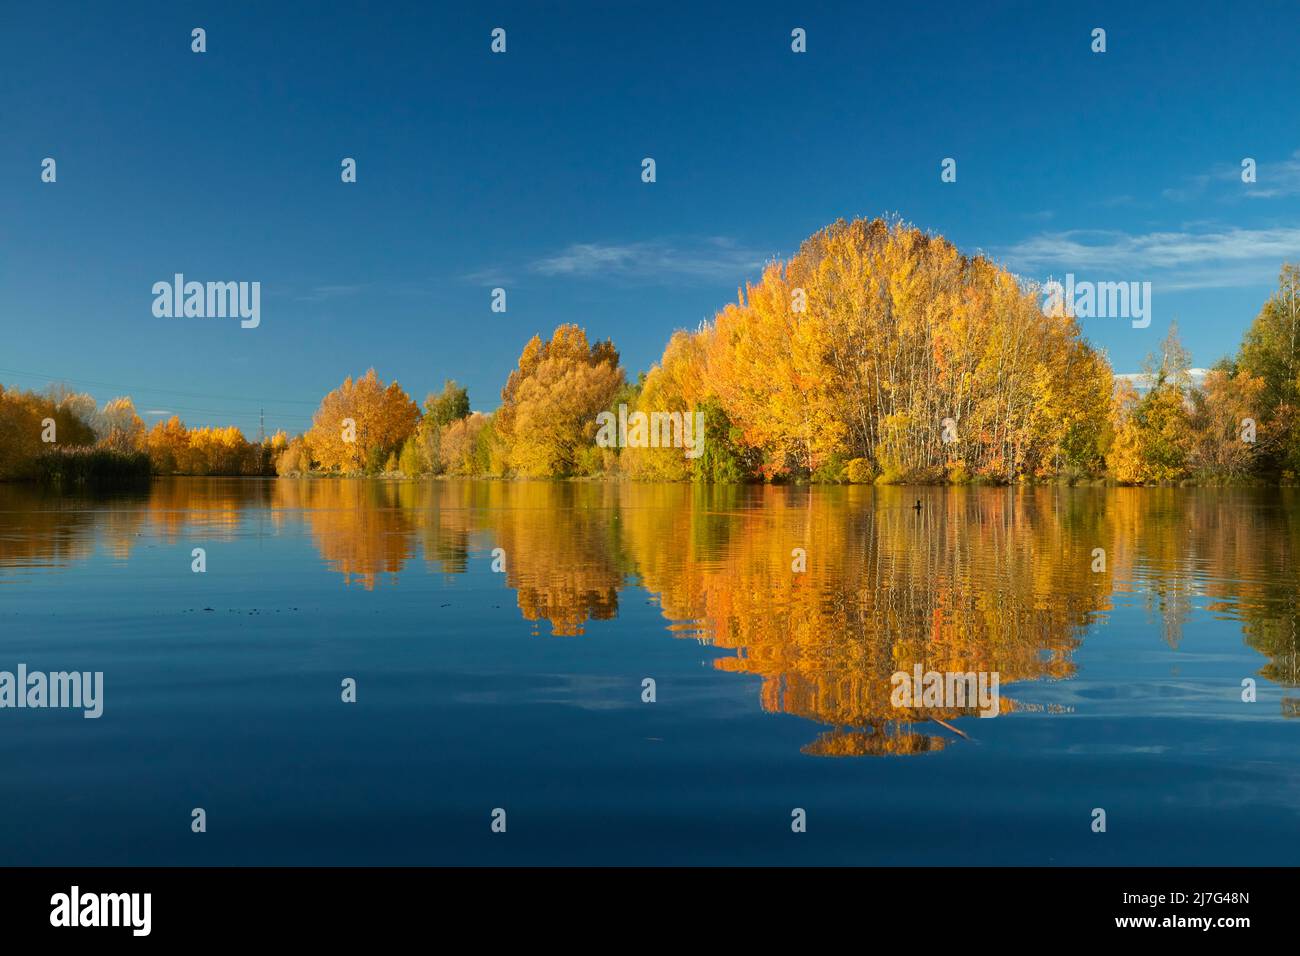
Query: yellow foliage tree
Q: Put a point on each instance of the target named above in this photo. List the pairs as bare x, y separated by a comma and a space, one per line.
1153, 431
168, 445
123, 429
360, 424
460, 445
880, 344
550, 402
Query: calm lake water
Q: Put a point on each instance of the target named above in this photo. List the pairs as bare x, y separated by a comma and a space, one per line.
521, 689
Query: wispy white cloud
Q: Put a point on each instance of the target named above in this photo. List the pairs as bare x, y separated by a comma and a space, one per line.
665, 260
1274, 179
1203, 256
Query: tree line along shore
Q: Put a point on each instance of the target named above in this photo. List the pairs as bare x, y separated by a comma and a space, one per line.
877, 353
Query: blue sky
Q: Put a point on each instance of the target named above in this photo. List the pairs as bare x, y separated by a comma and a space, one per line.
523, 170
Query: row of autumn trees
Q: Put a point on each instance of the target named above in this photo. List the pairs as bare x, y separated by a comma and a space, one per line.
367, 427
843, 364
1238, 423
877, 353
59, 434
880, 353
545, 426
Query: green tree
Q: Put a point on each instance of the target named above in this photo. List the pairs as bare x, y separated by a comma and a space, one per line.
450, 406
1270, 350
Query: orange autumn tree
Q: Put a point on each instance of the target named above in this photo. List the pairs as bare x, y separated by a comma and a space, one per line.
23, 426
361, 424
1229, 433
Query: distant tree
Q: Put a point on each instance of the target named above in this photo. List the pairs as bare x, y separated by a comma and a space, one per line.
421, 453
74, 413
221, 451
549, 404
1270, 351
168, 445
20, 434
381, 418
1153, 432
295, 459
460, 445
1223, 404
122, 429
412, 462
449, 406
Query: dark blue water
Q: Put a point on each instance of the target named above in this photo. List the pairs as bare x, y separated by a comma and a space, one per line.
521, 689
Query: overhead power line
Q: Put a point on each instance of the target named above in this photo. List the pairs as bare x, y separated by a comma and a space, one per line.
132, 389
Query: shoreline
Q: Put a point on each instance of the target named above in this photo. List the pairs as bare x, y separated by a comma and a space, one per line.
1091, 483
